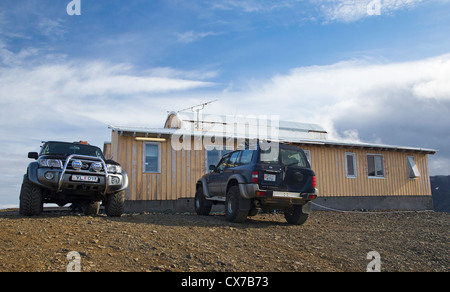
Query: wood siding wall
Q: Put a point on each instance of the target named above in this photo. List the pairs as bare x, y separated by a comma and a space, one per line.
180, 171
329, 166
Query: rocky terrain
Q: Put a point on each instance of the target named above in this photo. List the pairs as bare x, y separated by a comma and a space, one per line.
329, 241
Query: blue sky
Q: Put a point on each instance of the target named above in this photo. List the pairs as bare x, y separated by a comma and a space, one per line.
367, 70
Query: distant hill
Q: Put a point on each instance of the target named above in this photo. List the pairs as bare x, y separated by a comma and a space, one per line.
440, 188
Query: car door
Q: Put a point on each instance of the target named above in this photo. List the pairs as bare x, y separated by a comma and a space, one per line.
229, 171
215, 177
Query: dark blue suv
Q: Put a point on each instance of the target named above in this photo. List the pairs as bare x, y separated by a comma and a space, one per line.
247, 181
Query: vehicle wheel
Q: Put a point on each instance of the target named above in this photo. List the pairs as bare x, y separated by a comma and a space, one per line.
115, 205
202, 205
295, 215
31, 203
91, 208
233, 209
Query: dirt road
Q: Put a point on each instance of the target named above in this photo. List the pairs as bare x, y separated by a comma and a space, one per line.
186, 242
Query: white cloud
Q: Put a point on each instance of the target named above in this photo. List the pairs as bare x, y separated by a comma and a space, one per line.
193, 36
250, 6
405, 104
53, 28
73, 101
353, 10
329, 10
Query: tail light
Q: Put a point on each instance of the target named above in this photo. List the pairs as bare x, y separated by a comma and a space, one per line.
314, 182
255, 177
312, 197
261, 194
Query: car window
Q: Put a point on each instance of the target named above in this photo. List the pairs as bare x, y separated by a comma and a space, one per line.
233, 159
287, 157
223, 163
246, 157
62, 148
269, 157
293, 158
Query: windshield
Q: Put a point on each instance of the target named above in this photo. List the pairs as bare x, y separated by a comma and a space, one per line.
287, 157
66, 149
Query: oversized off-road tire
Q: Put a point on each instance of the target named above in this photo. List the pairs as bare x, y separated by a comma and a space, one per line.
115, 204
295, 215
202, 205
234, 209
91, 208
31, 203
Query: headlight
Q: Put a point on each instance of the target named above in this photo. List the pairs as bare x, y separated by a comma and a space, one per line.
113, 168
96, 166
55, 163
77, 164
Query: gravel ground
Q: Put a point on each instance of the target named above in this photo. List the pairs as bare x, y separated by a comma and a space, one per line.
329, 241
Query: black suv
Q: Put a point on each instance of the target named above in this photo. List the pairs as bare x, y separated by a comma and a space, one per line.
247, 181
73, 173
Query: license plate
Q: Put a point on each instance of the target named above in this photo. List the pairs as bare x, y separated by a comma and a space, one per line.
270, 177
286, 195
84, 178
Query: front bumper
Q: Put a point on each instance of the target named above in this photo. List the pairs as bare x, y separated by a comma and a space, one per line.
50, 179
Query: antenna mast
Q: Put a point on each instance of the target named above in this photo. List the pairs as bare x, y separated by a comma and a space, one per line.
197, 109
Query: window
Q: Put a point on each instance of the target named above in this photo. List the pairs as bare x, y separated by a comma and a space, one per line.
293, 158
152, 157
213, 156
308, 155
350, 165
233, 159
413, 170
375, 165
286, 157
246, 157
223, 163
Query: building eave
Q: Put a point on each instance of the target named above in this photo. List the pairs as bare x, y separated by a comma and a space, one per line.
139, 131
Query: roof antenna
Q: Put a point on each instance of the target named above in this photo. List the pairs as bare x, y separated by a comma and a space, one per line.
197, 109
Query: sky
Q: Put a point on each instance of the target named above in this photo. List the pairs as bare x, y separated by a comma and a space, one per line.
366, 70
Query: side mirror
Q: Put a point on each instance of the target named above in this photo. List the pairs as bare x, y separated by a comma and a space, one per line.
33, 155
212, 167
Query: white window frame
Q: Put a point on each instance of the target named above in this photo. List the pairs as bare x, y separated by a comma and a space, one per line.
144, 170
353, 155
383, 165
413, 170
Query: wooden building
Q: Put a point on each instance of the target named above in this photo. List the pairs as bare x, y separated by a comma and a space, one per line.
164, 164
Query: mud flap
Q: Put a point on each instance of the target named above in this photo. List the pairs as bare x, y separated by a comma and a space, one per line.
245, 204
307, 208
